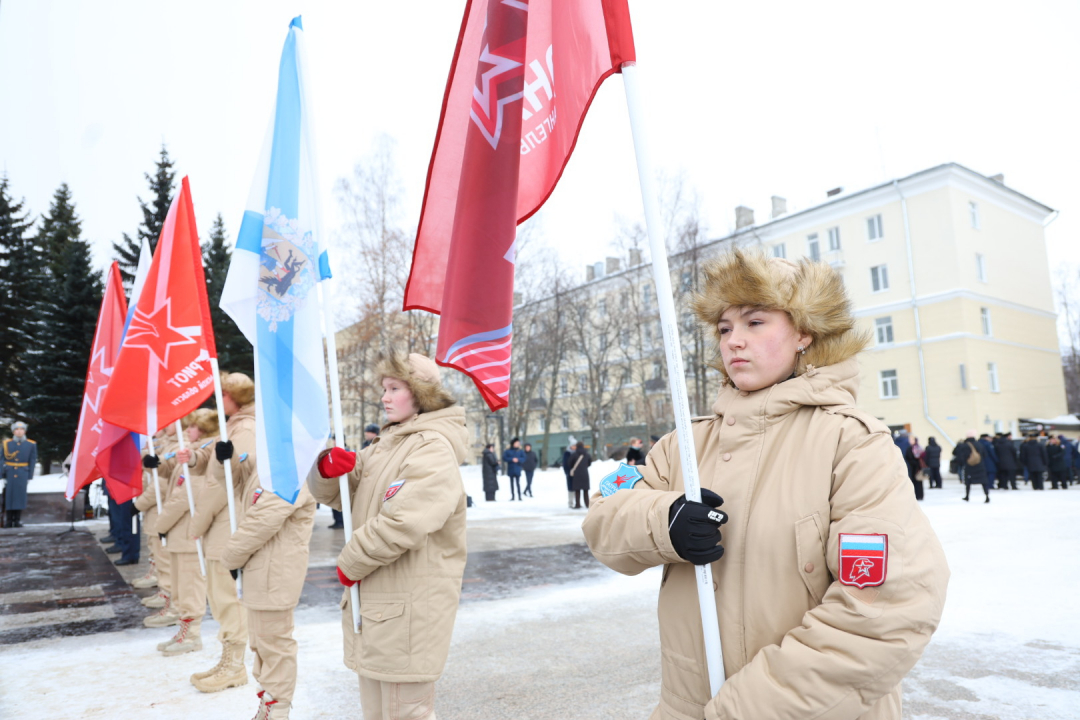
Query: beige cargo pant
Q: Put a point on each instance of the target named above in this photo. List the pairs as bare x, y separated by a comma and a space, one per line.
270, 635
162, 561
189, 587
397, 701
226, 609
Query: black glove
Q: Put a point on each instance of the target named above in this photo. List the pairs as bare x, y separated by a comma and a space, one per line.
694, 528
162, 536
235, 574
223, 451
151, 461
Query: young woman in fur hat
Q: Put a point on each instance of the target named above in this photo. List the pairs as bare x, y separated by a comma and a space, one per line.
833, 580
407, 548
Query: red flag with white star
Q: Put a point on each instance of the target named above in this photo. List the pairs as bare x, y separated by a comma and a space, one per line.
164, 363
523, 75
110, 330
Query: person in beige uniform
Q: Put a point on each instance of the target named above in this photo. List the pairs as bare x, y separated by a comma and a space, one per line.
271, 547
157, 574
211, 523
833, 580
174, 522
407, 549
165, 462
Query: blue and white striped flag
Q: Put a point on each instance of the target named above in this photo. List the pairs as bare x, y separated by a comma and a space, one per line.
270, 290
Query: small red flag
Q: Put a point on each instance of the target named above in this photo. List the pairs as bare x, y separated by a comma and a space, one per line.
164, 363
110, 330
523, 76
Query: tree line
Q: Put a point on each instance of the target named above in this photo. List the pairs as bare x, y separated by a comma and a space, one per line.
50, 296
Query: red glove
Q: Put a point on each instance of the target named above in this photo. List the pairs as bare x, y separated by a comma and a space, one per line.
344, 579
336, 462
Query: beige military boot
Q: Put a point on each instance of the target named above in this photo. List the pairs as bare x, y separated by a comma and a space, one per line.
230, 671
164, 617
278, 710
148, 580
162, 645
155, 601
189, 639
262, 713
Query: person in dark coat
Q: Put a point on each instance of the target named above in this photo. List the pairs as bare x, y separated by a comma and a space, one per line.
529, 466
490, 468
1074, 450
567, 454
635, 455
910, 461
579, 474
1056, 463
1070, 459
514, 456
20, 457
973, 474
932, 458
1007, 462
989, 456
1033, 458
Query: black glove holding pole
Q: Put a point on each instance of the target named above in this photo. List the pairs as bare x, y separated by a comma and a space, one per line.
151, 461
223, 451
694, 528
235, 574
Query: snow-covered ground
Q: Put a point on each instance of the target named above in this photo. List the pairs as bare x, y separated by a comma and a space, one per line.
1008, 646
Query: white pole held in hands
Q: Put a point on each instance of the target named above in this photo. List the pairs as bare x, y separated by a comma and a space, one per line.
224, 435
339, 432
157, 488
676, 377
190, 497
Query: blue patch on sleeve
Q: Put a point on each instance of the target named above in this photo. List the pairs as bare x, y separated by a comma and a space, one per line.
169, 456
243, 457
206, 445
623, 478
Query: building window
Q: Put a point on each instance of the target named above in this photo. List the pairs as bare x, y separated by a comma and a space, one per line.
565, 421
603, 343
879, 278
834, 239
973, 210
992, 370
603, 379
883, 330
987, 328
873, 228
687, 280
628, 414
657, 370
659, 408
477, 427
980, 267
963, 377
648, 336
584, 419
646, 296
625, 377
564, 384
542, 423
889, 387
602, 307
779, 251
813, 247
583, 383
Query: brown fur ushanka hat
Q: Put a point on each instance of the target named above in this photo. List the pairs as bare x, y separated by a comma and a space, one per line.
811, 293
421, 374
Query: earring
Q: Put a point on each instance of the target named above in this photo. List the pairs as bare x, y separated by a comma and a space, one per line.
802, 350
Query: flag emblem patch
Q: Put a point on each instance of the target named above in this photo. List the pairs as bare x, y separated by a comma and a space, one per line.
393, 489
863, 559
623, 478
256, 496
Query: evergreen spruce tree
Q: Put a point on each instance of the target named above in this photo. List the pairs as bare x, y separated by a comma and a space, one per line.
18, 274
162, 183
65, 315
234, 351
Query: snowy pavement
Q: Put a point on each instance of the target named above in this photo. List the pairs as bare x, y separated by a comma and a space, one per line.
1008, 646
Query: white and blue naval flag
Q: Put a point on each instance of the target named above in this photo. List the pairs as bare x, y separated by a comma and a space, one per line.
270, 289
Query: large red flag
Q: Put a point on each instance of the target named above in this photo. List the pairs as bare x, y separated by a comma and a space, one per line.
164, 364
523, 75
107, 337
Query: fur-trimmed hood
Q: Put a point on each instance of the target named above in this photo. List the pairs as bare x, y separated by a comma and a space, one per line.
811, 293
421, 374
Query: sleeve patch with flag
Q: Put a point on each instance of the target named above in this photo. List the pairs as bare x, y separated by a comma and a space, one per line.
255, 497
624, 477
863, 559
393, 489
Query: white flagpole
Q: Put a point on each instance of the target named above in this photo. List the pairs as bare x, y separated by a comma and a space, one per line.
227, 465
157, 488
676, 377
190, 497
339, 431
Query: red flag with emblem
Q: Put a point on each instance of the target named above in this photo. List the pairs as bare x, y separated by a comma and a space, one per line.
110, 330
523, 75
165, 358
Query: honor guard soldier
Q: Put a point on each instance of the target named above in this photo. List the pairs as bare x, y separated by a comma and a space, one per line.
20, 457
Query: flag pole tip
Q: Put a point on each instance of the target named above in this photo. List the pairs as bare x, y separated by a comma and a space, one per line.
296, 23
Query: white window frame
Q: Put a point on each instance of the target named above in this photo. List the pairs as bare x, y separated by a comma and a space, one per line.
657, 370
888, 386
875, 229
992, 371
813, 247
659, 405
980, 267
779, 251
564, 384
583, 383
834, 238
987, 323
973, 212
566, 421
601, 307
628, 413
542, 423
879, 277
584, 418
646, 296
883, 330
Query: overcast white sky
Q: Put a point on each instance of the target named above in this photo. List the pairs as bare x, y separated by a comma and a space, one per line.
747, 99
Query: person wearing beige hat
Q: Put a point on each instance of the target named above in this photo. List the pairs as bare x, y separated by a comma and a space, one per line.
833, 580
407, 549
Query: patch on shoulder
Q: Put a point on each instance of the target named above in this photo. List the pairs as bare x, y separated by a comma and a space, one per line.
623, 477
255, 497
393, 489
863, 559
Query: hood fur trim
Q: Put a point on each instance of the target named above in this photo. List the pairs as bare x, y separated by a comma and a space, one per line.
811, 293
416, 371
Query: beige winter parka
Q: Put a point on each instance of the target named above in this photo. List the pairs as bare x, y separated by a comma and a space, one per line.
408, 546
211, 521
146, 503
175, 518
797, 465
